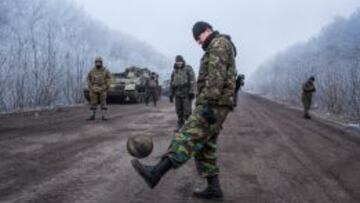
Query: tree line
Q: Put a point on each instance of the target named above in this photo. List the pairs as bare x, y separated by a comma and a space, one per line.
47, 47
333, 57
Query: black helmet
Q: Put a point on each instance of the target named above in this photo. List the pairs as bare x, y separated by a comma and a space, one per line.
179, 58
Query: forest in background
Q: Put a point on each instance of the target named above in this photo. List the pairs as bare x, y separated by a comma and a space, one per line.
47, 47
333, 57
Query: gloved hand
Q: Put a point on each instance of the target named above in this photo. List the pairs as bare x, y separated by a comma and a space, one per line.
208, 114
191, 96
171, 98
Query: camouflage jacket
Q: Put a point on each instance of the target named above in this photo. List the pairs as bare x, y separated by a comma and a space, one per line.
309, 87
152, 82
217, 75
99, 79
182, 81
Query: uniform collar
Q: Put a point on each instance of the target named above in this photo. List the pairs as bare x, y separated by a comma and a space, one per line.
209, 39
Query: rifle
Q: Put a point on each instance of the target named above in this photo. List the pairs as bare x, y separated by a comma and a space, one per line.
239, 83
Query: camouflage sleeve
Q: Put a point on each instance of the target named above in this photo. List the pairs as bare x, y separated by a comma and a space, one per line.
108, 79
89, 83
217, 70
307, 87
192, 80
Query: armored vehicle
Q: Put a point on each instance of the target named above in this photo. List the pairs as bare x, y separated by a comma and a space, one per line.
128, 86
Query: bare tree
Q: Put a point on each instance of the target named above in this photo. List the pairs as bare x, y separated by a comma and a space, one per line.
333, 57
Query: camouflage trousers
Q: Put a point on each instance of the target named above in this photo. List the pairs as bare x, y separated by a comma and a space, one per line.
151, 93
306, 100
183, 108
198, 139
98, 98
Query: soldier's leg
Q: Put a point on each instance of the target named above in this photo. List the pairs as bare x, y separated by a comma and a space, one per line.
147, 97
103, 105
206, 166
93, 104
184, 145
206, 159
195, 135
179, 110
154, 96
187, 107
307, 104
308, 107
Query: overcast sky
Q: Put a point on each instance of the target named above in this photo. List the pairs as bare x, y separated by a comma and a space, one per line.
260, 28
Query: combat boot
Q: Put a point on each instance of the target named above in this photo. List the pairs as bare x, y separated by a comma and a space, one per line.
179, 125
103, 115
152, 174
177, 129
212, 191
307, 116
92, 117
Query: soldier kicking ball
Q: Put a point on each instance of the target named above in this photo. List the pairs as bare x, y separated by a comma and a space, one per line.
214, 100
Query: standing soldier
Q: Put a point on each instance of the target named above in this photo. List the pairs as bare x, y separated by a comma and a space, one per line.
98, 79
182, 86
152, 88
308, 90
214, 100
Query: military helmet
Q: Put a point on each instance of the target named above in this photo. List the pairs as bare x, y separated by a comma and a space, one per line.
98, 59
179, 58
312, 78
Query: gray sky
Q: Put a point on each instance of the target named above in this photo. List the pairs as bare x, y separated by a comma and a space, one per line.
260, 28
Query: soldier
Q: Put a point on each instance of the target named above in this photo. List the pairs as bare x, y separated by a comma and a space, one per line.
308, 90
152, 88
98, 79
214, 100
182, 86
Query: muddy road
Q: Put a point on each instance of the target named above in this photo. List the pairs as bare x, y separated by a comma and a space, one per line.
267, 153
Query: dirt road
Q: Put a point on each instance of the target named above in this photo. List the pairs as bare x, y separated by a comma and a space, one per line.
267, 153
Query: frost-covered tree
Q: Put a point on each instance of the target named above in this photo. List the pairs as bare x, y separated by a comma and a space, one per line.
47, 46
333, 57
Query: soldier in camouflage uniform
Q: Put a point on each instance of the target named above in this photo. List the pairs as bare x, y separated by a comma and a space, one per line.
182, 87
152, 89
308, 90
214, 100
98, 79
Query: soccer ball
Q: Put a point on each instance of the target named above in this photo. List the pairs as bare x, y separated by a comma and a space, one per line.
139, 146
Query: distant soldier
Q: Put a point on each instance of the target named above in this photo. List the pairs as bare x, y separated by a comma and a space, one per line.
214, 100
182, 87
152, 89
98, 79
308, 90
